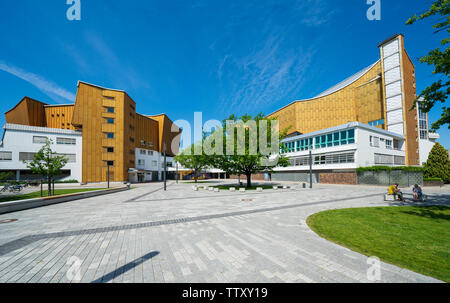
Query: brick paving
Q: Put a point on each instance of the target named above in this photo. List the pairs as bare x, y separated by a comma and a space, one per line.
148, 235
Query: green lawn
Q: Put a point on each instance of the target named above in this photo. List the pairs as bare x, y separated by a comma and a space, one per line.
227, 187
37, 194
416, 238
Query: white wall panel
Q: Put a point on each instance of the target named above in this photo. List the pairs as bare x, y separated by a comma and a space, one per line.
391, 48
394, 103
396, 128
391, 62
395, 116
393, 89
392, 75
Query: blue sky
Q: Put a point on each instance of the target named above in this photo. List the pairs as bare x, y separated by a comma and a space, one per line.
217, 57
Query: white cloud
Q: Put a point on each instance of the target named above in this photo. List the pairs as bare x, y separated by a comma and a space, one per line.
46, 86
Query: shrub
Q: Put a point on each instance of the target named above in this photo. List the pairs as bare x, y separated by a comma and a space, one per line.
390, 168
438, 164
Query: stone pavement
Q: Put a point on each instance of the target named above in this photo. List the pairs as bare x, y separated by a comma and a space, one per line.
148, 235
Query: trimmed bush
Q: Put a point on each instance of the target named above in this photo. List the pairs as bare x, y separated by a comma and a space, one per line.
438, 164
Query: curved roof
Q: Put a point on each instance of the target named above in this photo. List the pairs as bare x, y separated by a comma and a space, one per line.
346, 82
335, 88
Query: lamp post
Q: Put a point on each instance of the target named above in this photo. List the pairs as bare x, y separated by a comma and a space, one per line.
165, 165
177, 171
310, 169
107, 175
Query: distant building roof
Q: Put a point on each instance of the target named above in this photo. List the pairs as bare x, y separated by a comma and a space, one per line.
27, 128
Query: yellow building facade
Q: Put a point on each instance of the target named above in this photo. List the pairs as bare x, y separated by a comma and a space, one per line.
111, 129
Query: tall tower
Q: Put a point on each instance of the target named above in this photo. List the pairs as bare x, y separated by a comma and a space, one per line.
399, 94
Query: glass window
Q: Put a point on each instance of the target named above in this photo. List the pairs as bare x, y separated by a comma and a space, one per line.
110, 110
39, 140
110, 135
343, 137
110, 163
66, 141
351, 136
5, 156
110, 149
329, 140
109, 97
389, 144
110, 120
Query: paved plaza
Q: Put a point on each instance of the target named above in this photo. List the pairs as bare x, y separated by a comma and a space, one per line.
181, 235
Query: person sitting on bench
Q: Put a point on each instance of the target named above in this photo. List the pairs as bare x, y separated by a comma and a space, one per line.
417, 192
395, 191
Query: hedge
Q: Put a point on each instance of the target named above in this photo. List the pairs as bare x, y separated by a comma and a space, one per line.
390, 168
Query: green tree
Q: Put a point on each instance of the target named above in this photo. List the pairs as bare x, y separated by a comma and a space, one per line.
47, 164
189, 159
242, 155
440, 59
438, 164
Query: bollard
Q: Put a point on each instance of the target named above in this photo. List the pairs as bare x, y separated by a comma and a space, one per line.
128, 185
259, 189
232, 189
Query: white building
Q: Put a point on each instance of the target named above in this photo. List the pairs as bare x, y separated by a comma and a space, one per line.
149, 166
20, 143
343, 148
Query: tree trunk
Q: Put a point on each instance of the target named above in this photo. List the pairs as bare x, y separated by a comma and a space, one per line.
195, 176
249, 180
49, 192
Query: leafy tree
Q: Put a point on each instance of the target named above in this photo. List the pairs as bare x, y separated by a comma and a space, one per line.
438, 164
189, 159
440, 58
47, 163
242, 155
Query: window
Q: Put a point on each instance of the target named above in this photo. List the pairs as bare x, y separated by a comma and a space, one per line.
169, 164
150, 144
110, 110
66, 141
132, 162
154, 163
344, 138
5, 156
110, 163
150, 153
110, 120
141, 162
389, 144
384, 159
143, 142
377, 122
110, 135
351, 136
374, 141
143, 152
39, 140
24, 156
109, 97
131, 140
72, 158
397, 144
399, 160
110, 149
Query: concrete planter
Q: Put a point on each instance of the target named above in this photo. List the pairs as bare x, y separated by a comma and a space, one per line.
13, 206
433, 183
